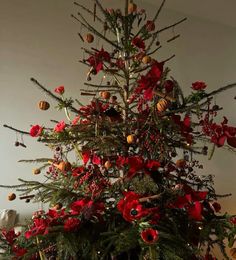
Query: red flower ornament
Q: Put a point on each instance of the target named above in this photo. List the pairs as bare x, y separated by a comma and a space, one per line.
150, 26
36, 130
138, 42
150, 235
71, 224
199, 85
60, 127
59, 90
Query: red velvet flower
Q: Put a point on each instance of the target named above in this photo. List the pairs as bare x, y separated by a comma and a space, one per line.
131, 208
138, 42
199, 85
36, 131
60, 127
150, 26
215, 206
40, 227
71, 224
150, 235
233, 220
59, 90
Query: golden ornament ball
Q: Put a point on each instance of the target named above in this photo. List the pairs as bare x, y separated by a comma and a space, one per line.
130, 139
233, 252
36, 171
64, 166
132, 8
89, 38
181, 163
146, 59
11, 196
43, 105
107, 165
162, 105
105, 94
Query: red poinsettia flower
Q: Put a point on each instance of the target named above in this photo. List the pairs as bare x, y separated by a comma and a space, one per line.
97, 60
36, 130
150, 26
148, 82
88, 208
40, 227
150, 235
59, 90
199, 85
10, 236
71, 224
60, 127
138, 42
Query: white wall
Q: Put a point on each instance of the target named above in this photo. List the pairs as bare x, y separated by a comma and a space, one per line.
38, 39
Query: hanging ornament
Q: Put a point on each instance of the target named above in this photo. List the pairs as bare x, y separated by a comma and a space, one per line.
107, 165
43, 105
132, 8
63, 166
11, 196
36, 171
130, 139
146, 59
162, 105
181, 163
89, 38
105, 94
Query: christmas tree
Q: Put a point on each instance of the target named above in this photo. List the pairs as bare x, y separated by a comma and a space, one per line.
134, 191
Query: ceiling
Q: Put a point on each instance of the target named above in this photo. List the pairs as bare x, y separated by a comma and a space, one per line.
221, 11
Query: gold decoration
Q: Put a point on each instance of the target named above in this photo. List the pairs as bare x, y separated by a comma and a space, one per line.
162, 105
146, 59
63, 166
89, 38
36, 171
44, 105
132, 8
11, 196
130, 139
105, 94
107, 165
180, 163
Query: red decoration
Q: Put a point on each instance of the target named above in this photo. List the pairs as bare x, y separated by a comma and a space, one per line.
60, 90
36, 131
150, 236
60, 127
199, 85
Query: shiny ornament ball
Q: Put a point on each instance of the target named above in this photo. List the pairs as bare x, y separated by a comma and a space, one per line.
146, 59
162, 105
44, 105
105, 94
130, 139
132, 8
11, 196
89, 38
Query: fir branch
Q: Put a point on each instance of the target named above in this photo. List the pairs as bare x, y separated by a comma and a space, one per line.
90, 28
89, 11
40, 160
59, 100
219, 90
17, 130
155, 34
